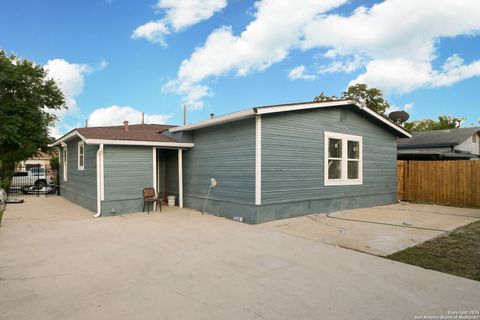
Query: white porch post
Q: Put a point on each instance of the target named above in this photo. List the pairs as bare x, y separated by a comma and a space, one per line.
258, 160
180, 179
154, 162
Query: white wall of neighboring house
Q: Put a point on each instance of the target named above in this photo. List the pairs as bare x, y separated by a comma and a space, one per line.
471, 145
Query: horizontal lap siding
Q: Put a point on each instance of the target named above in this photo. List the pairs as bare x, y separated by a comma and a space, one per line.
293, 156
127, 170
226, 153
81, 185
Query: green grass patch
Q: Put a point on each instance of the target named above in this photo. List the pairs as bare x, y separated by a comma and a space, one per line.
457, 253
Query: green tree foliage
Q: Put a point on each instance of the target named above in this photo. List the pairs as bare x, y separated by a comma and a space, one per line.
443, 122
323, 97
372, 97
27, 97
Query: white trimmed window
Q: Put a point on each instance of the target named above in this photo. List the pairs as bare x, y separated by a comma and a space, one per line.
81, 155
343, 159
65, 163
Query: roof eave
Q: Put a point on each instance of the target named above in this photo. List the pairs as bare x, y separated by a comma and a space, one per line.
291, 107
67, 136
216, 121
165, 144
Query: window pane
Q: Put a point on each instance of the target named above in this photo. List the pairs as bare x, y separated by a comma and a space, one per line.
334, 169
81, 160
334, 148
352, 169
353, 149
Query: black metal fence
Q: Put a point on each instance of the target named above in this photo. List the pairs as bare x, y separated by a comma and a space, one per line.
29, 180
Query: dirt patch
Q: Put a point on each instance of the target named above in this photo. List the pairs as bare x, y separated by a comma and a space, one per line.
457, 253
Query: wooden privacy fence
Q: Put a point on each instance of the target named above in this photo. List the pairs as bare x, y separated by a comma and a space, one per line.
454, 182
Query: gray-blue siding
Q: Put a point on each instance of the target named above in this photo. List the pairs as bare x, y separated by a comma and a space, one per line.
292, 166
293, 156
81, 185
226, 153
127, 170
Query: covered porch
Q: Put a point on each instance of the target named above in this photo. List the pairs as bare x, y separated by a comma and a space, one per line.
168, 173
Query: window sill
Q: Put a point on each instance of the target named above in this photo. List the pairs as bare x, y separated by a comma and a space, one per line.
329, 183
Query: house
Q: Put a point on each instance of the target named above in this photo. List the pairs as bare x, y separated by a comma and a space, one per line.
452, 144
42, 159
270, 162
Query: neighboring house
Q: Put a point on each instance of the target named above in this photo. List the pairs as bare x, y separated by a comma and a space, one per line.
270, 162
42, 159
452, 144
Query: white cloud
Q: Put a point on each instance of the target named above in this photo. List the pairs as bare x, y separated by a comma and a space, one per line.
276, 29
347, 66
115, 115
395, 41
454, 70
406, 107
398, 38
69, 77
299, 73
153, 31
179, 15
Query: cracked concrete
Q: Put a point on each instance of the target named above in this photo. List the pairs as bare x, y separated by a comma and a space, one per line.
384, 230
57, 262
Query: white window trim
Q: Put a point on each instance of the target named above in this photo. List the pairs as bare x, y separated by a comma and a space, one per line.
65, 162
344, 181
81, 144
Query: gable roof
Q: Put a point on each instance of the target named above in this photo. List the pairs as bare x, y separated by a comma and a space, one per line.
137, 134
251, 112
437, 138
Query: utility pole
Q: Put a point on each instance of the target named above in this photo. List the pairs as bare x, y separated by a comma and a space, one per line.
184, 114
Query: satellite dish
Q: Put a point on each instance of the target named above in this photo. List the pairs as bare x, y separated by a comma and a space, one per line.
399, 116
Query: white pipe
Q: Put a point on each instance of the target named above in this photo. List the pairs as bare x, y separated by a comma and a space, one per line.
180, 179
99, 181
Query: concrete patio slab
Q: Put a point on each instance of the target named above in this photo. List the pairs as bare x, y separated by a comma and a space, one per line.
57, 262
378, 230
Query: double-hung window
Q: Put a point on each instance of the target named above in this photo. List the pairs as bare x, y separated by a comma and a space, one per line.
343, 159
81, 155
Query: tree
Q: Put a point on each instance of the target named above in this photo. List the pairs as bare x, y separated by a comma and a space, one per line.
372, 97
322, 98
444, 122
27, 96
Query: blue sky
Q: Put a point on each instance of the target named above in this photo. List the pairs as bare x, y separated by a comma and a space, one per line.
114, 59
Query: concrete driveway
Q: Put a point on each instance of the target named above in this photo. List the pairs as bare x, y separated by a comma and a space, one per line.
378, 230
57, 262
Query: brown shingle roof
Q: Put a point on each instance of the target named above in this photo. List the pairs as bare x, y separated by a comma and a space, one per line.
136, 132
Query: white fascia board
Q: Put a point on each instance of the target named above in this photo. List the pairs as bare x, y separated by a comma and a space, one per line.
326, 104
303, 106
141, 143
363, 107
216, 120
293, 107
68, 136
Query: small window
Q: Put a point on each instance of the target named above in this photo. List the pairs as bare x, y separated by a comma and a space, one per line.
343, 159
65, 163
81, 155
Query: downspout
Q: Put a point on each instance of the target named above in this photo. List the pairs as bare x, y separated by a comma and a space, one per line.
99, 181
